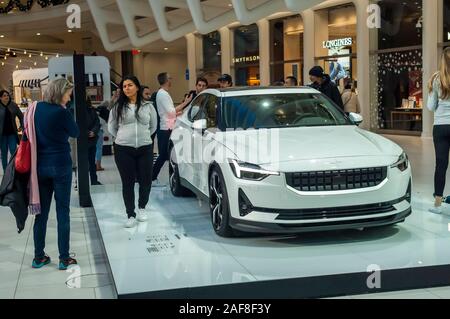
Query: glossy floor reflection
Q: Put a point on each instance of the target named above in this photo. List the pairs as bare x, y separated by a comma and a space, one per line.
177, 247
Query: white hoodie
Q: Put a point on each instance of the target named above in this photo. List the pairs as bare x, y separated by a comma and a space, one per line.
130, 131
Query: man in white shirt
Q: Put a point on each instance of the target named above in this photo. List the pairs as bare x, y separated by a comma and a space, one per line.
168, 116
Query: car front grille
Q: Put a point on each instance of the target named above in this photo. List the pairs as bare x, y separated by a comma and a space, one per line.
337, 180
337, 212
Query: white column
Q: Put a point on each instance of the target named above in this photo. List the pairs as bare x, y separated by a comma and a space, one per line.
430, 56
363, 60
264, 51
308, 43
225, 43
192, 58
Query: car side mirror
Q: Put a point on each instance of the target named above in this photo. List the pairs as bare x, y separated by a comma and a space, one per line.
356, 118
200, 125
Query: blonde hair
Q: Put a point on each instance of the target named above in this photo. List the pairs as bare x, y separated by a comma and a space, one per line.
443, 75
56, 90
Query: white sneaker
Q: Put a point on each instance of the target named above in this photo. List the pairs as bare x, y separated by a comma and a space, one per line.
436, 210
142, 215
131, 222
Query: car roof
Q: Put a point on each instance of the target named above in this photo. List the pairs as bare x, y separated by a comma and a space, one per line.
259, 90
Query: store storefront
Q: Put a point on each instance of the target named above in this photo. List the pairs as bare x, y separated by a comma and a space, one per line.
286, 55
335, 49
245, 60
211, 59
396, 68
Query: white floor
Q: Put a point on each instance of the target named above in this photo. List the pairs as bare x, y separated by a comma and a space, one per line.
19, 280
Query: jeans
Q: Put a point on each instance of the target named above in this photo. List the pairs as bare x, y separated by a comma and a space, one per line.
56, 180
7, 142
441, 138
92, 150
134, 164
163, 148
99, 153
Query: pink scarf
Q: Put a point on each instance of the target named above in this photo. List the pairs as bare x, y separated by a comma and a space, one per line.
34, 206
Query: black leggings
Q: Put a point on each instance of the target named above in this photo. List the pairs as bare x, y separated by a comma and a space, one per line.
134, 164
441, 138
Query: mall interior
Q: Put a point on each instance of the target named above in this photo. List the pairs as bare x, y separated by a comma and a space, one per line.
387, 50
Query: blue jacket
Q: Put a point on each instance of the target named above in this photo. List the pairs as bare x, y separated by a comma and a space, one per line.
54, 125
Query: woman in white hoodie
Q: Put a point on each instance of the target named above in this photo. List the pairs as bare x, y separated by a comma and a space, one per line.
133, 121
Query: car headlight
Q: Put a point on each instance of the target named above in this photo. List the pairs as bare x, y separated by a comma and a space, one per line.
249, 171
402, 162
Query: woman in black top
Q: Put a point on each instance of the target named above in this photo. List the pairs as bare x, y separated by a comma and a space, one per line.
9, 138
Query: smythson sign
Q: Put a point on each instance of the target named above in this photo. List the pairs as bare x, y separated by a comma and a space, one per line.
246, 59
337, 43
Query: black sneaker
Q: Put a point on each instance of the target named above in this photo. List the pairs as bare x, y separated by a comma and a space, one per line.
40, 262
65, 263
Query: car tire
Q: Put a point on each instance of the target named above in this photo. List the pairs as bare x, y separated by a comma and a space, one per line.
219, 205
174, 180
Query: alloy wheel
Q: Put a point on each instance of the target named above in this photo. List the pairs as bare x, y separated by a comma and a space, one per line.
216, 198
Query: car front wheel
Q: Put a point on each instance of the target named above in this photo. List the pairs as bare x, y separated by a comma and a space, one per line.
174, 179
219, 205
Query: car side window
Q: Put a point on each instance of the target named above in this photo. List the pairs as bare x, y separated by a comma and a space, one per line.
196, 106
210, 108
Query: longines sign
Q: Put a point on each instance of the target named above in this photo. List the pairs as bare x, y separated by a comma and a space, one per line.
337, 43
245, 59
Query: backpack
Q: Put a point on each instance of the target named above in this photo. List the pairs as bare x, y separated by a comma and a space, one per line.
153, 100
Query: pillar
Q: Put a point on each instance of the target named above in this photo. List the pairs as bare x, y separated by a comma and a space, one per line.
192, 52
226, 46
430, 56
363, 60
264, 51
308, 43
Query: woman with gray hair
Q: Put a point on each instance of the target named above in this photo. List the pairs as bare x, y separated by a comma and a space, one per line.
53, 125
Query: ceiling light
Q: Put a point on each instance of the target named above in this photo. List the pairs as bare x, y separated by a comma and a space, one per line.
38, 33
25, 52
57, 55
2, 36
70, 31
42, 54
166, 49
46, 57
9, 50
29, 55
20, 61
35, 63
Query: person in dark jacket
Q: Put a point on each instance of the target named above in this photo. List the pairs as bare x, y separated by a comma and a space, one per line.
9, 138
322, 82
54, 124
93, 126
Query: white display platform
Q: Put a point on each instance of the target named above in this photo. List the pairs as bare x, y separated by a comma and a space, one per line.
176, 254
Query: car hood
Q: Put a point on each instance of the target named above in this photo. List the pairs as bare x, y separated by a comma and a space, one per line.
310, 144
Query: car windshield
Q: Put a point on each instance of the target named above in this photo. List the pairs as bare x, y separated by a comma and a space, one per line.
280, 110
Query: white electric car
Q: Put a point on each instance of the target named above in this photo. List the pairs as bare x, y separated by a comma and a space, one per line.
286, 160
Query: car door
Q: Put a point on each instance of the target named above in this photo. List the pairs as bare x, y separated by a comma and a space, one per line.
192, 147
209, 144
